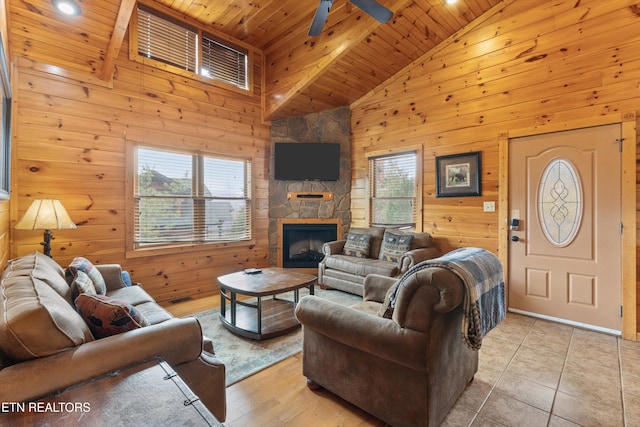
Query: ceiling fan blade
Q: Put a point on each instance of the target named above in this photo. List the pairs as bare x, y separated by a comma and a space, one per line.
375, 9
320, 17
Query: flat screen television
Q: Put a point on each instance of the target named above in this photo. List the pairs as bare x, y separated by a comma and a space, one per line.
299, 161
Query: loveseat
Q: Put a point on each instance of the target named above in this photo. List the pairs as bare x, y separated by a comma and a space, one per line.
407, 366
374, 250
47, 345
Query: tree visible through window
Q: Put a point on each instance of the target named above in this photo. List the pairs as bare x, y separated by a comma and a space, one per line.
393, 189
190, 198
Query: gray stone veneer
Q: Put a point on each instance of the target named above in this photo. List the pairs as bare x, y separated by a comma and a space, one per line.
326, 126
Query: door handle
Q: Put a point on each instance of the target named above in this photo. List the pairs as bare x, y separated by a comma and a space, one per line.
514, 238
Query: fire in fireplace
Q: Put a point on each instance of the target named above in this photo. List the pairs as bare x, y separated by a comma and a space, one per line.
302, 243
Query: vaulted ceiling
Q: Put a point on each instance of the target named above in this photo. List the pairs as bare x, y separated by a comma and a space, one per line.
353, 55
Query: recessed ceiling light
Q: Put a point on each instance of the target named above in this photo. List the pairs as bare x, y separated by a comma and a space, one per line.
450, 1
67, 7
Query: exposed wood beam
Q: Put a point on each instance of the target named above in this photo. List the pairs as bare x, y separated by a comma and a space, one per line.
117, 36
326, 50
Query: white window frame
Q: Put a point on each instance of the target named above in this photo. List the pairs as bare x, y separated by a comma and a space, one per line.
372, 157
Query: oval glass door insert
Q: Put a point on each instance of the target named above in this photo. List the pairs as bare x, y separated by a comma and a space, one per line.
560, 202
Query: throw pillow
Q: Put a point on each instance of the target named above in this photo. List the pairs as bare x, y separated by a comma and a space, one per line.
394, 245
84, 265
82, 284
357, 245
106, 316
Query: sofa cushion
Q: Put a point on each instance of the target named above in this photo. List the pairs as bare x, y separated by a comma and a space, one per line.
83, 264
153, 312
107, 316
357, 245
82, 285
41, 267
420, 240
35, 321
134, 295
394, 245
361, 266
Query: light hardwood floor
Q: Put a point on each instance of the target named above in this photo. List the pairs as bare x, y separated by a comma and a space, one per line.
278, 396
531, 373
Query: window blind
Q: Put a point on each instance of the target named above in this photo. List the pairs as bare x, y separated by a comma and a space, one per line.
190, 198
393, 190
223, 63
167, 41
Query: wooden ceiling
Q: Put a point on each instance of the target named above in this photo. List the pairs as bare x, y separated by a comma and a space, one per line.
303, 74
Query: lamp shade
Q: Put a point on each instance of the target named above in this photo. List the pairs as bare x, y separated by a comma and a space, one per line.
45, 214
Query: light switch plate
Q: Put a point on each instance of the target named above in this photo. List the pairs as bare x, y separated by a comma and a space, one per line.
489, 206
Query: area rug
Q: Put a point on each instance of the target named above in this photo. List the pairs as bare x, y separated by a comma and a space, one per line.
244, 357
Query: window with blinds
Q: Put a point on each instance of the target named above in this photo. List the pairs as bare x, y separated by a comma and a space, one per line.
223, 63
190, 198
167, 41
393, 190
171, 42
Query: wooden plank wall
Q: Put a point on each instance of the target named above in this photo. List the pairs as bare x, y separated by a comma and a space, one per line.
4, 232
528, 63
4, 204
70, 143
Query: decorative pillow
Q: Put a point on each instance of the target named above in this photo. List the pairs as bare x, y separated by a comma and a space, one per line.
126, 278
84, 265
82, 284
394, 245
106, 316
357, 245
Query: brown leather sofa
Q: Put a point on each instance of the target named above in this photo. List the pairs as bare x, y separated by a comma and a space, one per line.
346, 270
408, 370
46, 346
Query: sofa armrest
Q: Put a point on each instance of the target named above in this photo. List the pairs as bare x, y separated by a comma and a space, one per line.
357, 329
332, 248
376, 287
206, 377
416, 256
112, 275
176, 340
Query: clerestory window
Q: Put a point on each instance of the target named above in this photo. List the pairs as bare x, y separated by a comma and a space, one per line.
175, 43
190, 198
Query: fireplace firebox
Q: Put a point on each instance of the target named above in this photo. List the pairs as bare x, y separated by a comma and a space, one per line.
302, 243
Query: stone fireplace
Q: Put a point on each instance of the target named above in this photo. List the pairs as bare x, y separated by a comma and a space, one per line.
310, 202
300, 240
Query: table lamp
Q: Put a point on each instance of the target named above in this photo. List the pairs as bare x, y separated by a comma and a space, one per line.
47, 215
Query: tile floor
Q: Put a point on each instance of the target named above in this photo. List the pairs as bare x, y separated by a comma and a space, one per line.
534, 372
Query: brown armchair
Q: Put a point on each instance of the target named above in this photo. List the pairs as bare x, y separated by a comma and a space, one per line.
407, 370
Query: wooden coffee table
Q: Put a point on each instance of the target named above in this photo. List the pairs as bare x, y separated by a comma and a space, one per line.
267, 317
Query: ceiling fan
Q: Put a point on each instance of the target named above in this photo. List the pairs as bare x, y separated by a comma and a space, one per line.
372, 7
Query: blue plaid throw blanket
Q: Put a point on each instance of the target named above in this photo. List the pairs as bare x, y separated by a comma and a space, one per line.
484, 298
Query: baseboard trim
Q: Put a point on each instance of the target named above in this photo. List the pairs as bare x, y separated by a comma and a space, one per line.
567, 322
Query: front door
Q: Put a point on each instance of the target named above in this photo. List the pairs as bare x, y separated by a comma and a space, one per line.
565, 220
